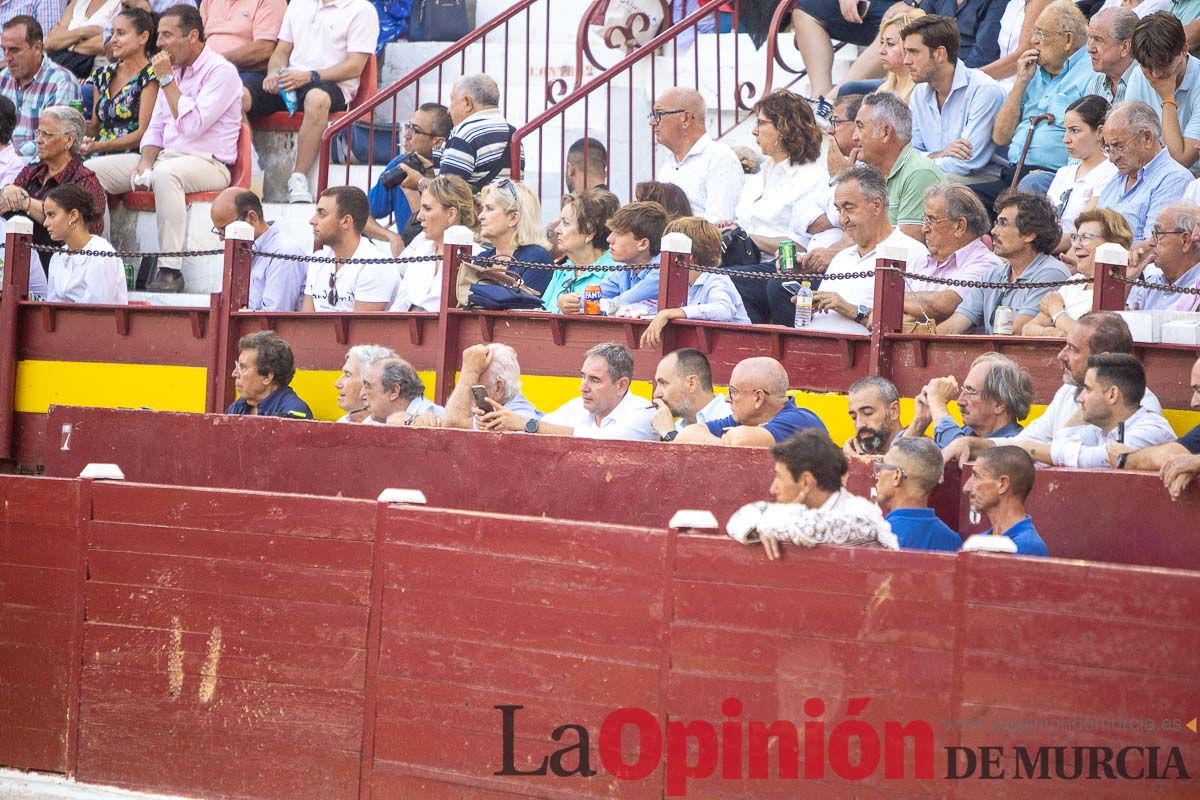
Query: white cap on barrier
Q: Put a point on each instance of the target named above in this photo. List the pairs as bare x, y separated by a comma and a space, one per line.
1111, 254
103, 472
989, 543
402, 497
892, 252
459, 235
242, 231
20, 225
694, 518
676, 243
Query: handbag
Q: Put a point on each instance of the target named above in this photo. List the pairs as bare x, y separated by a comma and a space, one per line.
738, 249
439, 21
357, 146
494, 297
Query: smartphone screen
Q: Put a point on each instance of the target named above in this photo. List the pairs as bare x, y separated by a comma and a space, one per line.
480, 395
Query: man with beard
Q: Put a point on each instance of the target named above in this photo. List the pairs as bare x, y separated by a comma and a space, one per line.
875, 412
683, 388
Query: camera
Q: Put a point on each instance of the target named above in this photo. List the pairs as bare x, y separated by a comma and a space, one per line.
392, 178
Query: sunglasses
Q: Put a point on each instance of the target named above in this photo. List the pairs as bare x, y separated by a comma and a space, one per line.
506, 183
333, 294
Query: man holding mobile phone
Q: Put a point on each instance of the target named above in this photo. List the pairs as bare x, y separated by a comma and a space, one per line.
490, 378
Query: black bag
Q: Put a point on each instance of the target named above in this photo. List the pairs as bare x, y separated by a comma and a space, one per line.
738, 249
364, 149
438, 21
494, 297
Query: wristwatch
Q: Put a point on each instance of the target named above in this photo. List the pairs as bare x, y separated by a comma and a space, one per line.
863, 313
314, 76
531, 426
166, 80
1121, 460
669, 436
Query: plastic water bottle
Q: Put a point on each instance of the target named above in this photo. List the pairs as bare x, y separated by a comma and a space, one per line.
289, 98
804, 305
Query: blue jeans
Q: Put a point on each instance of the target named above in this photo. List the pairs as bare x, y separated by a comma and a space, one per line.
1036, 182
858, 87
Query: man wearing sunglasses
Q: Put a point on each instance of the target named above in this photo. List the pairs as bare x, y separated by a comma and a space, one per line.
904, 479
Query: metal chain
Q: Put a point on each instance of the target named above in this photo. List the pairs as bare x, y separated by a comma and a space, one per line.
1161, 287
332, 260
46, 248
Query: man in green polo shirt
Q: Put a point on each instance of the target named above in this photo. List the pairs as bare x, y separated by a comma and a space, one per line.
883, 130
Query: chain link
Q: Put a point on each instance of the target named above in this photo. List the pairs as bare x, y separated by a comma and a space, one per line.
1161, 287
47, 248
332, 260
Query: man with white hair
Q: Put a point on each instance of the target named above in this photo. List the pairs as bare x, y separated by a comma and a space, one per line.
349, 383
478, 147
495, 368
1176, 262
883, 138
709, 173
1148, 179
1110, 45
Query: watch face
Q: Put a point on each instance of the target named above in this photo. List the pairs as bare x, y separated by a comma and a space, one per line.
531, 426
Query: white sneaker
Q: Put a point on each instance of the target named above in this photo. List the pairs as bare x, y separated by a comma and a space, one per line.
298, 192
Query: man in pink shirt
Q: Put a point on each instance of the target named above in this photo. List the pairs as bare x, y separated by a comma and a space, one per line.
192, 138
244, 31
323, 46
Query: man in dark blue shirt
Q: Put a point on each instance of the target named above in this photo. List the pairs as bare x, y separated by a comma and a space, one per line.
1000, 481
263, 375
763, 414
904, 479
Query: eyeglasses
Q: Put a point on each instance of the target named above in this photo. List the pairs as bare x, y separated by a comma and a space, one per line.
220, 232
1157, 233
1039, 34
415, 131
758, 123
655, 117
40, 135
1114, 147
734, 392
929, 221
506, 183
879, 466
968, 391
1076, 238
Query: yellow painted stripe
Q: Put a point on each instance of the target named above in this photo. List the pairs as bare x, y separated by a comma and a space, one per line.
315, 387
41, 384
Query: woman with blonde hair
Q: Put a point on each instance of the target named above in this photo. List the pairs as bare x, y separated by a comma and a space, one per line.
897, 79
510, 222
447, 201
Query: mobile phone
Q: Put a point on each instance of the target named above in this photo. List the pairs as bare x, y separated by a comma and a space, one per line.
863, 5
791, 287
481, 398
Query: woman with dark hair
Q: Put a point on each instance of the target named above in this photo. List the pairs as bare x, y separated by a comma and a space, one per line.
583, 240
75, 277
667, 195
1077, 183
11, 162
125, 89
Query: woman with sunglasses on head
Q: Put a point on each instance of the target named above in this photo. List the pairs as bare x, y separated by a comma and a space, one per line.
75, 277
445, 202
1060, 309
510, 223
125, 89
1075, 185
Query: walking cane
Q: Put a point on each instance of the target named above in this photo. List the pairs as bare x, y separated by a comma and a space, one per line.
1033, 123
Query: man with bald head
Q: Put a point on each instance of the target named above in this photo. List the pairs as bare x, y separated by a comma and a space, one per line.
708, 172
763, 413
276, 284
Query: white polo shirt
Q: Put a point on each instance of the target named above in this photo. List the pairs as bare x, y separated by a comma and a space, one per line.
629, 420
860, 291
710, 175
370, 283
324, 33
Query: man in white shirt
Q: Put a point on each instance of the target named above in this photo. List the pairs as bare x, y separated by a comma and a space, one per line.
605, 408
1110, 405
394, 394
341, 214
322, 48
683, 388
861, 198
708, 172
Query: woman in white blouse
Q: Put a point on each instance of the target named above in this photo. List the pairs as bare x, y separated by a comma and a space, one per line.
77, 278
447, 201
1076, 185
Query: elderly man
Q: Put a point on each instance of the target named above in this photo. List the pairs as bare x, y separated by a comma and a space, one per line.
1110, 403
683, 388
276, 281
708, 172
1178, 462
1050, 76
1147, 179
322, 49
477, 149
1110, 46
1025, 235
875, 411
605, 408
904, 479
337, 224
192, 138
244, 32
1176, 262
953, 107
1168, 80
763, 413
955, 222
349, 382
1000, 481
861, 199
394, 394
494, 367
883, 136
30, 79
263, 376
995, 395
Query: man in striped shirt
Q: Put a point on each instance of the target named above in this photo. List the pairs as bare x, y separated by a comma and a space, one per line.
478, 148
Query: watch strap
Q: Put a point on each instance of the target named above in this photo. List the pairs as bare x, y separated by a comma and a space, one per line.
314, 75
669, 436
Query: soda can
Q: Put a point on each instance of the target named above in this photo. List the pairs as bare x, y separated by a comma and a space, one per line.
591, 300
1002, 322
787, 256
130, 277
77, 105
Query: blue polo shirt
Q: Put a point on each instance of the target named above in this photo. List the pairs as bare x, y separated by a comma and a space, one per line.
946, 431
791, 418
1191, 441
920, 529
1050, 94
279, 403
1026, 538
1161, 182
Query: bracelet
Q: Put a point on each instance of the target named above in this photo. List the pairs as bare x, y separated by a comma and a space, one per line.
1054, 318
1170, 103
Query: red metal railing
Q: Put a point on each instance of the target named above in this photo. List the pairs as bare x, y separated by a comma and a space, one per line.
613, 107
516, 48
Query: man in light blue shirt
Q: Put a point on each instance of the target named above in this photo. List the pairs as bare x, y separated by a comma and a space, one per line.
1176, 259
494, 367
953, 107
1148, 179
1168, 81
683, 388
276, 283
1110, 45
636, 234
